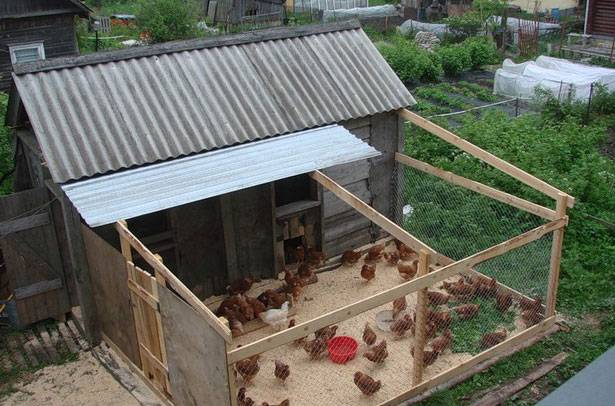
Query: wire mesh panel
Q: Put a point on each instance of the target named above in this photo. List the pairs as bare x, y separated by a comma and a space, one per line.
453, 220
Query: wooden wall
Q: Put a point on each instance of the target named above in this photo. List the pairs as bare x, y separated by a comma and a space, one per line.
196, 354
110, 286
57, 33
370, 180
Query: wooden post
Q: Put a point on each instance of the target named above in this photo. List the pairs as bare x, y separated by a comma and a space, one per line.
421, 320
556, 256
79, 263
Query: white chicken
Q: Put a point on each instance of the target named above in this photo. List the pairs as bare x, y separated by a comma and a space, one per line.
276, 318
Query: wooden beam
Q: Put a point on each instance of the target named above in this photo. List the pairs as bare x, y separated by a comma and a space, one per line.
155, 361
478, 187
174, 282
24, 223
556, 256
374, 216
37, 288
472, 362
421, 321
143, 294
483, 155
387, 296
79, 264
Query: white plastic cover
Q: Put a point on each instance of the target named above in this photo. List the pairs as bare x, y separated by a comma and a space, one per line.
564, 79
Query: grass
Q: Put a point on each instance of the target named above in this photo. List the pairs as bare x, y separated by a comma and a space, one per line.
6, 150
564, 150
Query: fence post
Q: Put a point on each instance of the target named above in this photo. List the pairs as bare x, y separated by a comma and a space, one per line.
421, 320
556, 255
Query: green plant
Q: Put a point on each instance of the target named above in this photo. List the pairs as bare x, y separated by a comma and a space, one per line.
6, 150
464, 26
454, 59
482, 51
410, 63
167, 20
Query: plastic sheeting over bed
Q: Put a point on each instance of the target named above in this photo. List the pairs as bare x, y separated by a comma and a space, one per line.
564, 79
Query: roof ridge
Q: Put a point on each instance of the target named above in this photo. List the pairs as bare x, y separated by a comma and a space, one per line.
184, 45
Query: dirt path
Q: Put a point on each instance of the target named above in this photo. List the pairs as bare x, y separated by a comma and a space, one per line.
82, 382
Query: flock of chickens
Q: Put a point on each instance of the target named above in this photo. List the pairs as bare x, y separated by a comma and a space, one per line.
272, 307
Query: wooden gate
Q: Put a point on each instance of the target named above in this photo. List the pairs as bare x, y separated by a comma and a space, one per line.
146, 310
32, 257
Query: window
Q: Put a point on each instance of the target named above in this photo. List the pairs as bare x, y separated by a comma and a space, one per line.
27, 53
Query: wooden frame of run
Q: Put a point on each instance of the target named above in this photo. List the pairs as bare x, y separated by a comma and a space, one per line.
428, 256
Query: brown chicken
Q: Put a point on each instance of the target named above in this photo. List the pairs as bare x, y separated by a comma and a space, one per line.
281, 371
486, 287
350, 257
503, 301
374, 253
240, 286
429, 357
315, 348
368, 272
437, 298
392, 258
248, 368
530, 304
242, 399
530, 317
236, 327
272, 299
291, 280
378, 353
442, 342
300, 254
366, 383
467, 311
399, 305
285, 402
440, 319
400, 326
326, 333
490, 339
430, 330
407, 271
369, 337
257, 306
314, 257
459, 288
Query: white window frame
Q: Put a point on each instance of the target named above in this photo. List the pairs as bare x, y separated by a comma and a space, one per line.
40, 47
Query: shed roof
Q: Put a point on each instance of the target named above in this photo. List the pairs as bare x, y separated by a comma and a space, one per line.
100, 113
34, 8
160, 186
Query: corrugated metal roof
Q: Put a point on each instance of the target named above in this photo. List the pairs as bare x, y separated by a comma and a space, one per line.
92, 119
135, 192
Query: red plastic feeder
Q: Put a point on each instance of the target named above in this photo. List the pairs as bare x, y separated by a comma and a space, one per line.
342, 349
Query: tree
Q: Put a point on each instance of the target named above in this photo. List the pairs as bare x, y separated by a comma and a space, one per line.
168, 20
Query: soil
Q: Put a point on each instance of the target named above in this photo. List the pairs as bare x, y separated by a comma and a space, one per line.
82, 382
322, 381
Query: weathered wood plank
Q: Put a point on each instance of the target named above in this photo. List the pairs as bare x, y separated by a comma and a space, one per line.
37, 288
77, 334
48, 344
196, 354
24, 223
68, 338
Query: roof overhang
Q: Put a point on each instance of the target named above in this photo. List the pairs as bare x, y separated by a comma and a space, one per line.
135, 192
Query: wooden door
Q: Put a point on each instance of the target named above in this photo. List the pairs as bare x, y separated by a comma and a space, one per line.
32, 257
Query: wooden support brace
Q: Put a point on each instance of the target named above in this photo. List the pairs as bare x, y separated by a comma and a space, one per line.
421, 321
173, 281
478, 187
556, 256
483, 155
374, 216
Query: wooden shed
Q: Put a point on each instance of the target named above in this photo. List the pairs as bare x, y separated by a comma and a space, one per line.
36, 29
183, 171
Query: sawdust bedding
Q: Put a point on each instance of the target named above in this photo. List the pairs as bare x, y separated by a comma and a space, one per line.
322, 381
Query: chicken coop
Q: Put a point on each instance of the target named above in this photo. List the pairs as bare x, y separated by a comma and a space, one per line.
240, 220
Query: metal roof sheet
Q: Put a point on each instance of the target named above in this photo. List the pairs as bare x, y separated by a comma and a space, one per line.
135, 192
95, 118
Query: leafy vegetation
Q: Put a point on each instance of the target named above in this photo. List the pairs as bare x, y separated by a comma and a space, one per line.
454, 59
410, 62
6, 150
561, 146
168, 20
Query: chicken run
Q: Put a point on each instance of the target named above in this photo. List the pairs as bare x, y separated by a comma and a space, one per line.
461, 274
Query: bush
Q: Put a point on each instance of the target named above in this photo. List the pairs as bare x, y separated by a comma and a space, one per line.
168, 20
464, 26
482, 51
6, 150
410, 63
454, 59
